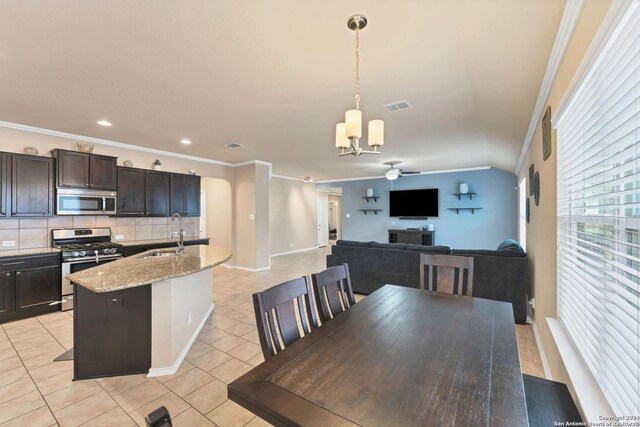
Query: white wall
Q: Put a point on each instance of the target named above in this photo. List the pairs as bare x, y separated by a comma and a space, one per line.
293, 216
218, 211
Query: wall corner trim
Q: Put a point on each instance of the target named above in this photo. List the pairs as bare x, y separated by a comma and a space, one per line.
570, 16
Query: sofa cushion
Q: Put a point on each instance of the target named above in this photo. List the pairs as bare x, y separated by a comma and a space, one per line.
376, 245
489, 252
354, 243
429, 249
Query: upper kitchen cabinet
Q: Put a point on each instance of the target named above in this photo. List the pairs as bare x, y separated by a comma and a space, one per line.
32, 185
193, 195
185, 194
103, 172
157, 193
5, 184
84, 170
131, 199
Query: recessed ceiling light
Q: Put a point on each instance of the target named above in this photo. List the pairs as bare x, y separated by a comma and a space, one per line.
105, 123
185, 141
233, 145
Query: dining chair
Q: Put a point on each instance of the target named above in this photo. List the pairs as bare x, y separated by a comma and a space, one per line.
279, 331
332, 291
446, 273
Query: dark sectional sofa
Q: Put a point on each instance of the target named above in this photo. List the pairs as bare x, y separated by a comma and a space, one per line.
499, 275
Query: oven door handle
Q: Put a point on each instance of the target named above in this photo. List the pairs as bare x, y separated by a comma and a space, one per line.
92, 259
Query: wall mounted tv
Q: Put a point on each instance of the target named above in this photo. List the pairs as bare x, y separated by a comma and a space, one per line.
414, 203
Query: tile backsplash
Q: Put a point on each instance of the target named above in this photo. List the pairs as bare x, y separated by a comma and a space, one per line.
36, 232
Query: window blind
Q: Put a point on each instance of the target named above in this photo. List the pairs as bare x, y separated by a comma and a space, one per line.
598, 217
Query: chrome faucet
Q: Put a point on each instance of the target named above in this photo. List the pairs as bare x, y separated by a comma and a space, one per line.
181, 235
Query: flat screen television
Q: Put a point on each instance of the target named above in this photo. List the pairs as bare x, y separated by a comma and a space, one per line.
414, 203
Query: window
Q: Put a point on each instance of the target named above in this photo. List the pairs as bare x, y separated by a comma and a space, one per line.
522, 213
599, 217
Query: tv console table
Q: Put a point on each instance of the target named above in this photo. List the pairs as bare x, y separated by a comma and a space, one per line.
414, 237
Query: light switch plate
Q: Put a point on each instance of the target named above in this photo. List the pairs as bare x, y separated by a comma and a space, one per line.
119, 237
348, 215
252, 217
8, 243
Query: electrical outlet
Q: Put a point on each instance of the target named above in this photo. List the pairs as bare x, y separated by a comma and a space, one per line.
119, 236
291, 244
348, 215
252, 217
8, 243
189, 318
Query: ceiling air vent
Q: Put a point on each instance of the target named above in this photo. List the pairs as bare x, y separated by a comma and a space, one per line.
233, 145
397, 106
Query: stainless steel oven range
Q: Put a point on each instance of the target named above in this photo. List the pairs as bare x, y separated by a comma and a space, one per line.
82, 248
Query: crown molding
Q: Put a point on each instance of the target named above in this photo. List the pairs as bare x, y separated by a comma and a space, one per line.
108, 142
407, 176
290, 178
570, 16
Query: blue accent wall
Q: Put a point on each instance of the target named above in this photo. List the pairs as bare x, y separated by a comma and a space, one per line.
495, 222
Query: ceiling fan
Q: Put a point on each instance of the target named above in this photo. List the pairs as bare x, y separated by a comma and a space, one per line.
394, 173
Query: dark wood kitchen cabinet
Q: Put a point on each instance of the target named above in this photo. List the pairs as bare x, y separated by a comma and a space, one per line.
157, 193
103, 172
131, 192
185, 194
5, 187
84, 170
32, 186
29, 285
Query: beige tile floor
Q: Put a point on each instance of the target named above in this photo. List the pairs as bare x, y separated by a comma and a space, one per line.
34, 391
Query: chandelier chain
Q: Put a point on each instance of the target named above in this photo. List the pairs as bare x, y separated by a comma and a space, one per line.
358, 67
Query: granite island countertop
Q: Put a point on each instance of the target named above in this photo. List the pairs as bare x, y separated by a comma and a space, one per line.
143, 269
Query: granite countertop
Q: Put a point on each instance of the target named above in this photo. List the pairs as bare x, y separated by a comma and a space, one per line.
142, 269
32, 251
156, 241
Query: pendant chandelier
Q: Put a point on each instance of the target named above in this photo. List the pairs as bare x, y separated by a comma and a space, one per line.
348, 134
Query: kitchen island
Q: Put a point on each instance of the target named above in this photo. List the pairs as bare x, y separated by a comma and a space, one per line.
141, 314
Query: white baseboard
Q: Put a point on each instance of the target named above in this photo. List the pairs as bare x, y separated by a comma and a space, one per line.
296, 251
254, 270
543, 356
170, 370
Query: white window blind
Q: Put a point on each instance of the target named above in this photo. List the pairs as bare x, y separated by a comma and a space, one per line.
598, 190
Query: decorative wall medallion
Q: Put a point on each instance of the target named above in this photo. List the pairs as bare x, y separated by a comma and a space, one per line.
128, 163
546, 134
531, 171
527, 211
30, 150
536, 188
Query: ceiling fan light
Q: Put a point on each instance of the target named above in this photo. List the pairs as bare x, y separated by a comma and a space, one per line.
392, 174
376, 133
353, 120
341, 136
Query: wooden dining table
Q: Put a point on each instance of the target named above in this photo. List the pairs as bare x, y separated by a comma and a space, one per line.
399, 357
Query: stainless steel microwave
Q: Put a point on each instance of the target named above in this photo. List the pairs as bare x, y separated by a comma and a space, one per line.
85, 202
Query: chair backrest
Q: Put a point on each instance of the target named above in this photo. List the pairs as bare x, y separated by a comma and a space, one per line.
286, 301
446, 273
333, 292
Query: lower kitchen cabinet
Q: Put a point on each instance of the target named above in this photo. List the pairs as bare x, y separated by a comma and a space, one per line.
28, 285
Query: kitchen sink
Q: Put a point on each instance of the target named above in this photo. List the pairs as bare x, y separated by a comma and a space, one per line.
160, 254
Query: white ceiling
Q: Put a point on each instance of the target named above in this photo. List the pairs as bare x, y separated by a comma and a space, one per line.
278, 75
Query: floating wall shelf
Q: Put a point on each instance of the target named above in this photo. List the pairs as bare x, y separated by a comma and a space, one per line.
375, 211
465, 194
374, 198
473, 210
